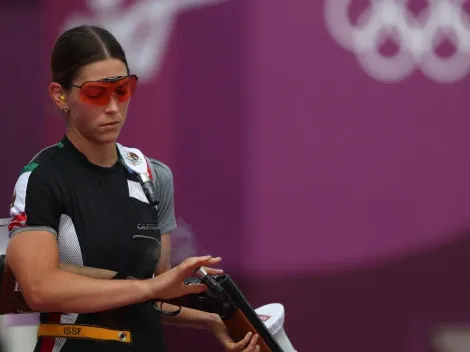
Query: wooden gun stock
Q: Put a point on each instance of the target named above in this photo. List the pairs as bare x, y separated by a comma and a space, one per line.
238, 326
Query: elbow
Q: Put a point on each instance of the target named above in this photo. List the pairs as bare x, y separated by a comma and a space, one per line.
38, 297
35, 298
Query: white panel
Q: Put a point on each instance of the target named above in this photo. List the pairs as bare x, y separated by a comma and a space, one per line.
18, 331
452, 339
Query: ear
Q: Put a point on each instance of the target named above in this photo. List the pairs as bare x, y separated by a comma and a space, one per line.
58, 95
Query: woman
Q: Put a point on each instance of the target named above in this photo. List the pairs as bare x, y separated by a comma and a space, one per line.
81, 202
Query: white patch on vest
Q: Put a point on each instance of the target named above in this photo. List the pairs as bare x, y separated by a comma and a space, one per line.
134, 159
136, 191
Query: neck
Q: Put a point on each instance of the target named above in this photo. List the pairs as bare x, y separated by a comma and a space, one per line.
104, 155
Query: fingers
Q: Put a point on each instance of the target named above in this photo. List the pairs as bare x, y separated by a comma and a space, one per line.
193, 263
248, 344
252, 346
240, 345
194, 288
213, 271
213, 261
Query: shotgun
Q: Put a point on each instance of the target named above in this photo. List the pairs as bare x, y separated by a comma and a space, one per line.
222, 297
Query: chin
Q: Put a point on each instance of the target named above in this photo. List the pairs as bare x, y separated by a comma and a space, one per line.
106, 138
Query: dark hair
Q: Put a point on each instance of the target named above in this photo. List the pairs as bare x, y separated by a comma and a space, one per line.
80, 46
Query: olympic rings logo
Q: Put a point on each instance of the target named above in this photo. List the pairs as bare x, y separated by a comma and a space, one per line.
417, 36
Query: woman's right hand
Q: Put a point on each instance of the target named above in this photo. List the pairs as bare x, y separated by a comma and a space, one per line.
171, 284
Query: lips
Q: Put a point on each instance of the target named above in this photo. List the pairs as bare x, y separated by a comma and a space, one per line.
111, 123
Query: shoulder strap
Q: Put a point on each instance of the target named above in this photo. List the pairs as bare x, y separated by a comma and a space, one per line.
134, 160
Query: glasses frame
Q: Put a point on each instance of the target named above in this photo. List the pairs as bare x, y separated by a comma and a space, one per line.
107, 80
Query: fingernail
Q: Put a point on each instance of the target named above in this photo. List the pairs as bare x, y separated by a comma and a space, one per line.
257, 347
257, 337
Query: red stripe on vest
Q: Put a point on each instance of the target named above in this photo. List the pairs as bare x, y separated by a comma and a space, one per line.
48, 343
19, 220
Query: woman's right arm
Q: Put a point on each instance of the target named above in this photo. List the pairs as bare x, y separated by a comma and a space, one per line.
33, 257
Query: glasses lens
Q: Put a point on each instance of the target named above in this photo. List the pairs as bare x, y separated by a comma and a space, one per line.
99, 93
95, 93
125, 88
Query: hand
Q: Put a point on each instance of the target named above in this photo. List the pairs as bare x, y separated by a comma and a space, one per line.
248, 344
213, 271
171, 284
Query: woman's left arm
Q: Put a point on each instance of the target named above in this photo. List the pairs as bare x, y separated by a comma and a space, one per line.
167, 222
192, 318
187, 317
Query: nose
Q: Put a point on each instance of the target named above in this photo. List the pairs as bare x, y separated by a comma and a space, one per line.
112, 106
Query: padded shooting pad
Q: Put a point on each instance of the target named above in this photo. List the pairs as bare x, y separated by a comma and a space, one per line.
272, 315
451, 338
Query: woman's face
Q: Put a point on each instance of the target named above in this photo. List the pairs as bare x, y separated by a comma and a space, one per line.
100, 124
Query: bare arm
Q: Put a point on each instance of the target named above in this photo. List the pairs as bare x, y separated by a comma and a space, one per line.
33, 254
188, 317
192, 318
34, 260
33, 257
164, 263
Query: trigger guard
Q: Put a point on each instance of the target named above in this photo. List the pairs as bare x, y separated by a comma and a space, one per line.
164, 313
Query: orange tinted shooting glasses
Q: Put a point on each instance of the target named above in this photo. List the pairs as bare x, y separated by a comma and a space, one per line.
100, 92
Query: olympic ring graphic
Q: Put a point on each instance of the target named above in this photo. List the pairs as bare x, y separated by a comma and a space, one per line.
417, 36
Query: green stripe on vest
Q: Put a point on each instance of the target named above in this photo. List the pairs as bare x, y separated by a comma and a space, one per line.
28, 168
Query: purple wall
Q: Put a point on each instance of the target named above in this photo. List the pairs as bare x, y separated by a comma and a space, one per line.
362, 171
340, 196
20, 92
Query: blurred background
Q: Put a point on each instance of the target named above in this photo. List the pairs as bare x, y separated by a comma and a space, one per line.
320, 147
